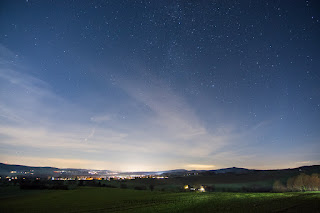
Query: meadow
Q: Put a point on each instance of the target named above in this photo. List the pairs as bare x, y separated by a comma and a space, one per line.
100, 199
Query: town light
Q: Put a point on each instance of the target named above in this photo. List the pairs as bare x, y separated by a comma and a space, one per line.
202, 189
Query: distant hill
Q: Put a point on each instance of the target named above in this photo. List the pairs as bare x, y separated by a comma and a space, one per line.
232, 170
19, 170
220, 175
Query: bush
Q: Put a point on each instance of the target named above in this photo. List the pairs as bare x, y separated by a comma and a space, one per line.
32, 186
278, 187
123, 186
151, 187
304, 182
140, 188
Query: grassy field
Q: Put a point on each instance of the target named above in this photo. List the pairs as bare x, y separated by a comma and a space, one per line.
87, 199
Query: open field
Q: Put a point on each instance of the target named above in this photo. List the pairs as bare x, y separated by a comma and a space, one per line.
92, 199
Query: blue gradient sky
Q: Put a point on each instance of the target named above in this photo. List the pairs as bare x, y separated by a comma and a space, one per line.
155, 85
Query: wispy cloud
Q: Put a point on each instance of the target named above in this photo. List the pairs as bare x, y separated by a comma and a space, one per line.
161, 131
171, 117
36, 117
56, 162
170, 111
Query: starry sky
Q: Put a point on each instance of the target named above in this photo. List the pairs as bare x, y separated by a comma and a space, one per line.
156, 85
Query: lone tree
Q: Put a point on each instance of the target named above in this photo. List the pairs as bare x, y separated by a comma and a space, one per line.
315, 182
278, 186
151, 187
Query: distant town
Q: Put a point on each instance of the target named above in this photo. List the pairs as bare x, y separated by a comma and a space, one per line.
222, 180
14, 172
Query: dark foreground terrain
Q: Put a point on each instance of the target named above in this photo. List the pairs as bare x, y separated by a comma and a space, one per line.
93, 199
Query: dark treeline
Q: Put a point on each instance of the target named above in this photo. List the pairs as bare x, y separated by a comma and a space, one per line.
152, 185
302, 182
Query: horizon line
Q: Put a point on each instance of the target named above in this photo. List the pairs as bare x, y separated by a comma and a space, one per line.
160, 170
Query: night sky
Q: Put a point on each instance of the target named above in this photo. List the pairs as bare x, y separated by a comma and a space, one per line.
155, 85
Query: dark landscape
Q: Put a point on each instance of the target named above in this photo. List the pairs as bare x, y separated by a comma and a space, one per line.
159, 106
32, 189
